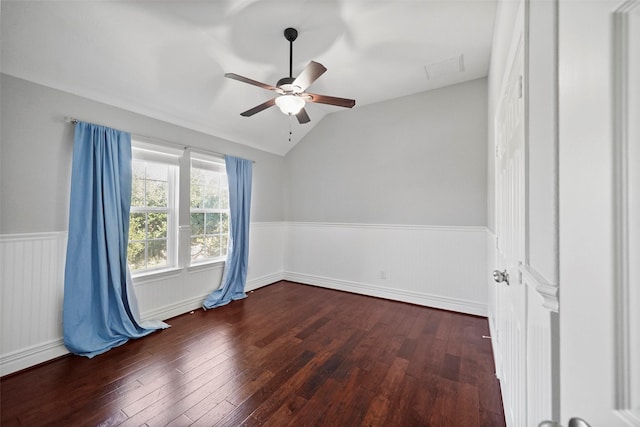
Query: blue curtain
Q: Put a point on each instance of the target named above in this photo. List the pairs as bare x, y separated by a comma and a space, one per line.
239, 173
99, 308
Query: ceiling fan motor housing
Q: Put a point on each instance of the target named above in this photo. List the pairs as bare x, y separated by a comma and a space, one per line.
291, 34
286, 84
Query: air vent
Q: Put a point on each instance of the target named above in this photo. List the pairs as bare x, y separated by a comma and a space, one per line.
445, 67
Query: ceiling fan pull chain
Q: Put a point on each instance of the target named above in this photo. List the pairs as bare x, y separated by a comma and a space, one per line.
290, 131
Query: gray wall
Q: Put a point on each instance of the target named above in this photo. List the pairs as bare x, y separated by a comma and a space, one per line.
419, 159
36, 152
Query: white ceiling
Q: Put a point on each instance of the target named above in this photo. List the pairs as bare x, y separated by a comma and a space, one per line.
167, 59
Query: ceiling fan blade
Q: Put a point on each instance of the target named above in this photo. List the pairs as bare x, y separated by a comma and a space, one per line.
303, 117
331, 100
259, 108
309, 75
250, 81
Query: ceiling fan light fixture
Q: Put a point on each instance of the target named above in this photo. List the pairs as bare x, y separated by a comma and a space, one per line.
290, 104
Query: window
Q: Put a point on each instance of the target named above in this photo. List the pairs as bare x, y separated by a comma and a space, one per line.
209, 213
157, 198
152, 220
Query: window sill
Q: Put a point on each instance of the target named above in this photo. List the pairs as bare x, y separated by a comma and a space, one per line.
154, 275
206, 265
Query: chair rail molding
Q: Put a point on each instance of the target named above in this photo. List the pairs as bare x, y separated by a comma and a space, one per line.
549, 292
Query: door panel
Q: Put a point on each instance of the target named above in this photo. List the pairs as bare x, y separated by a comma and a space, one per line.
599, 163
510, 234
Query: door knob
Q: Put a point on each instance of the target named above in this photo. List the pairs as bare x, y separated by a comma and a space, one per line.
573, 422
501, 276
578, 422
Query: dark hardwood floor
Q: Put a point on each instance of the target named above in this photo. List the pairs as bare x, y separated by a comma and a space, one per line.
288, 355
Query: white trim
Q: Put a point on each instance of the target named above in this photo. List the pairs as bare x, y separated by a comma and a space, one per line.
465, 228
51, 235
218, 263
173, 310
31, 356
147, 276
548, 291
207, 162
265, 224
434, 301
626, 407
259, 282
164, 148
195, 303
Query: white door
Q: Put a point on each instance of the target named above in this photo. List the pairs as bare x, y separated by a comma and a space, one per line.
510, 235
599, 202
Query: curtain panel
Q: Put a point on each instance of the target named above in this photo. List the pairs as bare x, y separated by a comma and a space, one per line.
99, 308
239, 175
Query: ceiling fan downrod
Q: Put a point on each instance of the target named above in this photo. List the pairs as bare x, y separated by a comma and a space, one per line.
291, 34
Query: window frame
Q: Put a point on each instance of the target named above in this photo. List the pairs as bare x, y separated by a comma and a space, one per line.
179, 198
154, 153
215, 164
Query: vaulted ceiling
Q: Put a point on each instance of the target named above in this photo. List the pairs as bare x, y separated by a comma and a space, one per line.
167, 59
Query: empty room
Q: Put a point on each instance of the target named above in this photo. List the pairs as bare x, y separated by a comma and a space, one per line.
320, 213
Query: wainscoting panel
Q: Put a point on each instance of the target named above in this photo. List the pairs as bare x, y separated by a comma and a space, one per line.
441, 267
32, 277
266, 253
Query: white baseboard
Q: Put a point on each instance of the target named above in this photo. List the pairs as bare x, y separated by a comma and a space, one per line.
173, 310
195, 303
434, 301
258, 282
34, 355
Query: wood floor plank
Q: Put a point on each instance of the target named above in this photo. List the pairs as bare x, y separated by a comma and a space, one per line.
288, 355
317, 405
215, 415
245, 384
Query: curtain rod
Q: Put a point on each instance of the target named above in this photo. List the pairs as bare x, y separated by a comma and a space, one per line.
75, 121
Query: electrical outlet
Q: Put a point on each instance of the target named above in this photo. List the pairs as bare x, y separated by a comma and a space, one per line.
383, 274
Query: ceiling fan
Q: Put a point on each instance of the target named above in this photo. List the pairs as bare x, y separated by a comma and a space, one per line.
292, 97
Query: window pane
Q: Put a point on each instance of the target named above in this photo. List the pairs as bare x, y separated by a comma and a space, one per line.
211, 198
224, 243
137, 191
157, 253
224, 192
197, 248
213, 246
212, 190
157, 193
137, 226
157, 171
197, 223
213, 223
157, 225
151, 213
135, 256
196, 195
209, 229
224, 221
